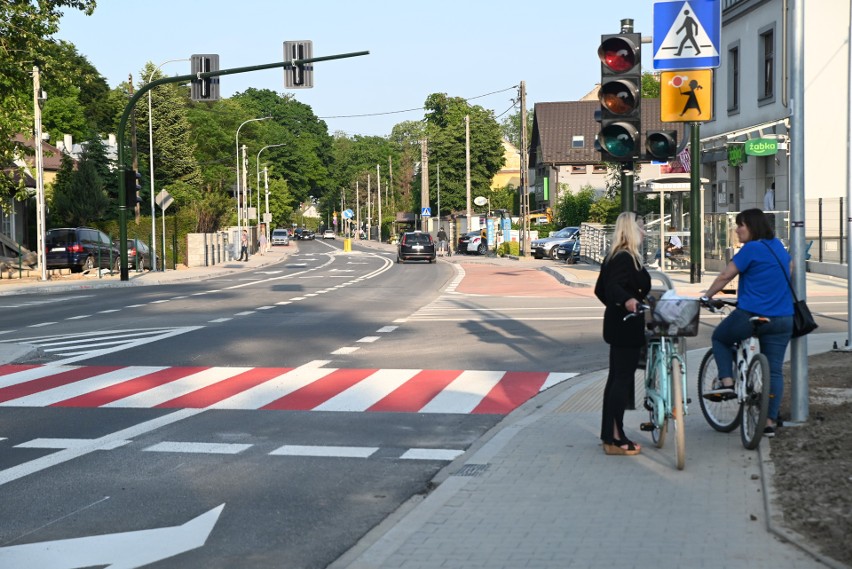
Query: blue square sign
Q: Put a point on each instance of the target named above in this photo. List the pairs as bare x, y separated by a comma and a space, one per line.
687, 34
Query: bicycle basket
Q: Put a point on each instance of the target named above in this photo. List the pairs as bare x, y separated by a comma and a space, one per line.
675, 317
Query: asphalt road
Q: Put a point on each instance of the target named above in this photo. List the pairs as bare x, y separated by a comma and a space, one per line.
147, 427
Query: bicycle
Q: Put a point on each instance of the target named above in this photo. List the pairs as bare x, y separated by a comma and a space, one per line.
665, 369
748, 404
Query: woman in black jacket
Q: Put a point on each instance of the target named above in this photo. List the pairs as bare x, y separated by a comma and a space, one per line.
622, 284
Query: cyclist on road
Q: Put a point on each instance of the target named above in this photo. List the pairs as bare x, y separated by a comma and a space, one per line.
763, 266
622, 284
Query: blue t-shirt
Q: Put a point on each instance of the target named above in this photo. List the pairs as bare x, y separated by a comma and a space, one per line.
763, 286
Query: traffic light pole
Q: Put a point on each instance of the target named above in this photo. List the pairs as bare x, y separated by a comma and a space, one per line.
695, 204
122, 199
627, 186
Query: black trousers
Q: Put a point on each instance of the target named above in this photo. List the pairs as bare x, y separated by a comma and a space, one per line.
243, 253
619, 389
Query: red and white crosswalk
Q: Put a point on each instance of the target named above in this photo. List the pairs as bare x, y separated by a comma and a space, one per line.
305, 388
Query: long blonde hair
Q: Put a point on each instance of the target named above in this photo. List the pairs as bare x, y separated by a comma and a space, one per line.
627, 237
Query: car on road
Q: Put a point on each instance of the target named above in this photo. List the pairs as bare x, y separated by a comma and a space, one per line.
139, 255
546, 247
472, 242
328, 234
280, 237
80, 249
415, 246
305, 235
569, 251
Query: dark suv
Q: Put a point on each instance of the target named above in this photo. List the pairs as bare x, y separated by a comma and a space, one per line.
415, 246
80, 249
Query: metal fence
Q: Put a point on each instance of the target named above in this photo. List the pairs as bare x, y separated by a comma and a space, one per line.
825, 233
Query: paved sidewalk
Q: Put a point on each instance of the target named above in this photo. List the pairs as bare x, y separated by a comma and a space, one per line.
537, 491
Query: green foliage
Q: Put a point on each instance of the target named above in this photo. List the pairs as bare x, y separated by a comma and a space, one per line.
510, 127
63, 114
82, 199
650, 86
573, 209
445, 131
605, 210
509, 248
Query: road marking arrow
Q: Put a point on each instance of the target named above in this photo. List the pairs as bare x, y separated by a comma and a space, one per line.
118, 550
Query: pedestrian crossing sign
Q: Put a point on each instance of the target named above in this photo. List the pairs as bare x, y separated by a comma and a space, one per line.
687, 34
686, 96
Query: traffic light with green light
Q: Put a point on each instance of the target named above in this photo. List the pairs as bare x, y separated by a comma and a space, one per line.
661, 145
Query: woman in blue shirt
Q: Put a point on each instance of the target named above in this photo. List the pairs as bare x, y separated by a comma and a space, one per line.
762, 291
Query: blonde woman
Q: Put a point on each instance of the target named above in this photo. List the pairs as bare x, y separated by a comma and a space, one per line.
622, 284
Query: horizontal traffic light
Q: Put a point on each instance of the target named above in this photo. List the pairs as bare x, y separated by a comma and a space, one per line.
661, 144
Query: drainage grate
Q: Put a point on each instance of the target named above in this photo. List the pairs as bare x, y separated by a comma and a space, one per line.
471, 470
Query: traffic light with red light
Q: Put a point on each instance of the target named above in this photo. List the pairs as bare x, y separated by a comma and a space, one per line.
620, 96
661, 145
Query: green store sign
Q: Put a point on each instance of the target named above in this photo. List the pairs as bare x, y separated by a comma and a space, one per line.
736, 155
761, 147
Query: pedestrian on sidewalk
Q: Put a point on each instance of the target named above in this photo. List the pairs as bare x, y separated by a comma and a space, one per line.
262, 240
244, 246
622, 285
763, 266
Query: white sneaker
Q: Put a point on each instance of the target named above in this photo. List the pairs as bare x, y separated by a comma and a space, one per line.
653, 266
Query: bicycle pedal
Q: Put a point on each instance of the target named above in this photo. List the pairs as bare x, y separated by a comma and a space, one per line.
649, 426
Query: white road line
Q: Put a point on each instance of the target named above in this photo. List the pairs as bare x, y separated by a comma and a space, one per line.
283, 303
298, 298
368, 391
368, 339
325, 451
162, 393
385, 329
33, 466
161, 301
134, 306
220, 320
70, 444
264, 307
464, 393
78, 317
244, 313
431, 454
345, 350
275, 388
198, 448
108, 311
41, 324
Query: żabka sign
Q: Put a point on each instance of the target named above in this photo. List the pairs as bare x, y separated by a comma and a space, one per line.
761, 147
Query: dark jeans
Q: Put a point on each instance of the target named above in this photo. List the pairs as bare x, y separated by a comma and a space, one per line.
243, 253
774, 338
619, 388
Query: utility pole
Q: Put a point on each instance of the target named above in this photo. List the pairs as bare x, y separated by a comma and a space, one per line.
39, 167
467, 166
424, 180
357, 209
379, 192
369, 212
525, 196
392, 196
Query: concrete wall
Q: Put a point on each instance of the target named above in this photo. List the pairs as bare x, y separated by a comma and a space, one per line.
206, 249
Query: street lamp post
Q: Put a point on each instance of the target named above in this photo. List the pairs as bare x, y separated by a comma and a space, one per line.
151, 165
257, 163
239, 213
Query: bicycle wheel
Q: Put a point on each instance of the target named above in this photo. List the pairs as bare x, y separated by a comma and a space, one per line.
755, 408
677, 414
722, 415
656, 368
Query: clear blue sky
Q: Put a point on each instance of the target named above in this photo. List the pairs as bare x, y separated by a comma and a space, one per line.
465, 48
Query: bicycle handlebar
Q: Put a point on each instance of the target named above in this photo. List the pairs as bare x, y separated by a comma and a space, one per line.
716, 304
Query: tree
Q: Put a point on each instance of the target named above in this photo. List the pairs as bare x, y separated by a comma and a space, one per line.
82, 199
26, 31
445, 131
573, 209
511, 127
650, 86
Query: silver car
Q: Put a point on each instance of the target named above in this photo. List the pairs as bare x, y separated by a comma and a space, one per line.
546, 247
280, 237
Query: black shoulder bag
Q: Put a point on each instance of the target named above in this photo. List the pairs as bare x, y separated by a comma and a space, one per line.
803, 321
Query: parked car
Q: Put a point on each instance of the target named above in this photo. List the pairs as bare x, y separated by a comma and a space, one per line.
328, 234
472, 242
569, 251
280, 237
546, 247
139, 250
415, 246
80, 249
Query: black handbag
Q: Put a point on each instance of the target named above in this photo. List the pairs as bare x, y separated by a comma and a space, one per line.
803, 320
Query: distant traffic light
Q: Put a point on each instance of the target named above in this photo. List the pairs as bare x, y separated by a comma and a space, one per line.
131, 187
661, 145
206, 89
620, 96
301, 75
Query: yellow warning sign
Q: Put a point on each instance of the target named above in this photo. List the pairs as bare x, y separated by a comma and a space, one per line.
686, 96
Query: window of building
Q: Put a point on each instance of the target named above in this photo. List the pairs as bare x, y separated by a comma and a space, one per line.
734, 79
599, 169
766, 74
577, 141
578, 169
